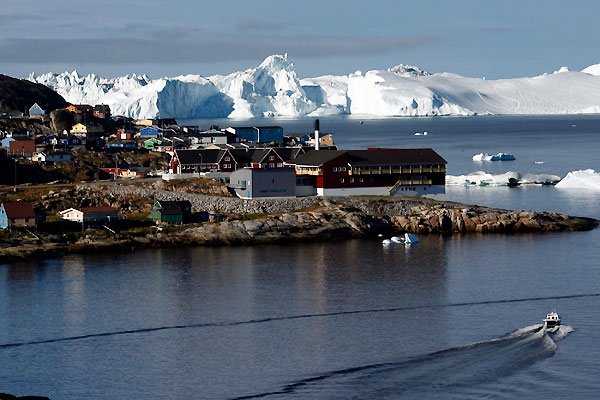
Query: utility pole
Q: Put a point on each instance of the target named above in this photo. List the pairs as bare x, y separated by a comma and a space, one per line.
15, 160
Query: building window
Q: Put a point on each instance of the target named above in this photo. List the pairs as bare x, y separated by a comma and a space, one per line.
279, 165
271, 158
227, 158
342, 180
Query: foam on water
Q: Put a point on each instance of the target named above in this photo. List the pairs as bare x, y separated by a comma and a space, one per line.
451, 372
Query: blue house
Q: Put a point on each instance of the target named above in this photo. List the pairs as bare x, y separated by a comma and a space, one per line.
6, 142
258, 134
19, 214
71, 141
125, 145
149, 132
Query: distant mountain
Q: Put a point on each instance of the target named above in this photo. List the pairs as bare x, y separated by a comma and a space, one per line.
18, 95
274, 89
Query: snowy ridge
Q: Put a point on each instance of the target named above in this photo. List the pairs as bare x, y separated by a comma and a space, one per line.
274, 89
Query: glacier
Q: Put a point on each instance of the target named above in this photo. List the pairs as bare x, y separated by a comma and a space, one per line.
273, 89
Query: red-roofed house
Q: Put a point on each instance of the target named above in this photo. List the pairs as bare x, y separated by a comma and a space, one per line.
23, 148
18, 214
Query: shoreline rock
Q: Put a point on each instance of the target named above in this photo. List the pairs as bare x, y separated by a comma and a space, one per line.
329, 218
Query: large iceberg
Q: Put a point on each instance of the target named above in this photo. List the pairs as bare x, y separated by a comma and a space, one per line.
274, 89
582, 179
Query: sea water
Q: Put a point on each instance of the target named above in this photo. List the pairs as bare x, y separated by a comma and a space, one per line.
450, 317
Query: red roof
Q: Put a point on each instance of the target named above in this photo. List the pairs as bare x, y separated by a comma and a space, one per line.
98, 209
19, 210
25, 146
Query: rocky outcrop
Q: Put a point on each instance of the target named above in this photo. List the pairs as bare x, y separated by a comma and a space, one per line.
269, 221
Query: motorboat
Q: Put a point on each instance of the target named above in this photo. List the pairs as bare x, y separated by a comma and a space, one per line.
552, 320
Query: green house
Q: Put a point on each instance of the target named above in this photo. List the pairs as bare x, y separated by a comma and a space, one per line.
171, 212
151, 143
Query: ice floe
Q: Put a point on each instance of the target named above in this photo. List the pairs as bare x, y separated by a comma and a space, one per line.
495, 157
582, 179
481, 178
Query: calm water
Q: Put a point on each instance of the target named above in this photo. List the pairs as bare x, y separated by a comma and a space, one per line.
449, 317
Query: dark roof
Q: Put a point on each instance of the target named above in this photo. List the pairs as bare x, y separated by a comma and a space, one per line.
98, 209
199, 156
288, 153
394, 156
257, 127
102, 107
242, 156
317, 157
172, 207
19, 210
372, 157
259, 154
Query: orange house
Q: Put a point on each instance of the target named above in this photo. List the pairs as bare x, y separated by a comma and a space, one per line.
80, 108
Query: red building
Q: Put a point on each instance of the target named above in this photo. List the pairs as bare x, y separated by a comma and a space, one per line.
406, 172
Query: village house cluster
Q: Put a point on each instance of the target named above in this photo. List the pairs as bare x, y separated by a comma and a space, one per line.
254, 161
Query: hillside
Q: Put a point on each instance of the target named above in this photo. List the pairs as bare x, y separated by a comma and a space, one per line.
18, 95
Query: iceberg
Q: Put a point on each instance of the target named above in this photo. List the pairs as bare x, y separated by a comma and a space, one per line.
274, 89
410, 238
496, 157
481, 178
582, 179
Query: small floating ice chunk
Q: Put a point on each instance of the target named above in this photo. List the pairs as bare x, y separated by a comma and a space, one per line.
496, 157
482, 157
386, 242
397, 239
410, 238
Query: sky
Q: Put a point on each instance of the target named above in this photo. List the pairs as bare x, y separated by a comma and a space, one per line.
492, 39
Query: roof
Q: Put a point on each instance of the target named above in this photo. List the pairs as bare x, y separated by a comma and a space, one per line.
317, 157
242, 156
288, 153
259, 154
256, 127
170, 207
201, 156
98, 209
394, 156
19, 210
372, 157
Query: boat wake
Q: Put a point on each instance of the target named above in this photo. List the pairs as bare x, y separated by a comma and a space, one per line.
448, 373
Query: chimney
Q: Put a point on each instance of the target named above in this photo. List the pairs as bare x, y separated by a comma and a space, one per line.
317, 134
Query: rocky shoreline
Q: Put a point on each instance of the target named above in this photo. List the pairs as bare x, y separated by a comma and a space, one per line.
281, 220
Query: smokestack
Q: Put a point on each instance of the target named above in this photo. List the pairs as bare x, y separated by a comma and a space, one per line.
317, 134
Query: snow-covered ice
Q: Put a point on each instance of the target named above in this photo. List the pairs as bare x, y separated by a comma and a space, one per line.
481, 178
274, 89
495, 157
582, 179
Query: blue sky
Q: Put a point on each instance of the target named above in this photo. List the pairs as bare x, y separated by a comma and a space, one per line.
500, 39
